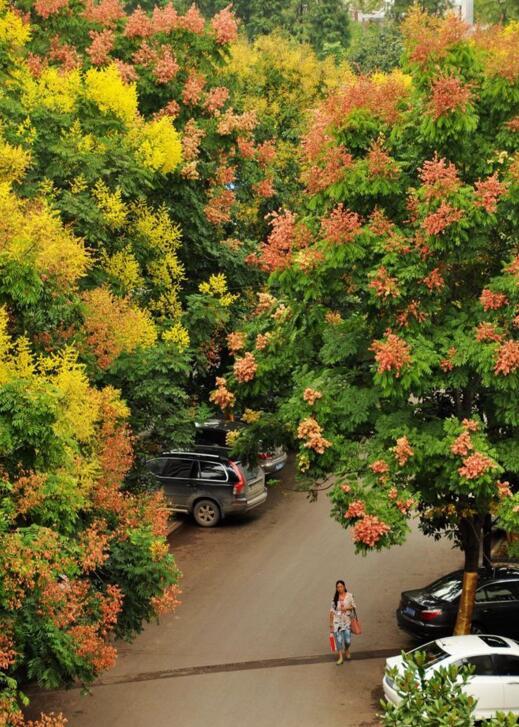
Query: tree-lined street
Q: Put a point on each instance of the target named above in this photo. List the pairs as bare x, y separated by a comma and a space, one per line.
258, 589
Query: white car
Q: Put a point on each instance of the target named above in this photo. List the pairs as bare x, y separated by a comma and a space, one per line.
495, 682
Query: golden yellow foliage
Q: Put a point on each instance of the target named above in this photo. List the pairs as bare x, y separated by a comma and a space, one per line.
124, 268
115, 325
157, 228
111, 94
14, 33
178, 335
158, 145
111, 205
217, 287
54, 89
80, 404
32, 232
14, 160
277, 74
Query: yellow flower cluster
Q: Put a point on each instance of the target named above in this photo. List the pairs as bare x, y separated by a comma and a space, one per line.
111, 205
158, 229
14, 33
53, 89
115, 326
301, 75
13, 162
124, 268
82, 142
159, 145
32, 232
70, 378
177, 335
396, 75
166, 271
232, 437
250, 416
107, 90
216, 287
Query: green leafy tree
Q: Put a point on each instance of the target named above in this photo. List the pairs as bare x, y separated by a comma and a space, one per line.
327, 26
399, 8
496, 11
375, 47
387, 340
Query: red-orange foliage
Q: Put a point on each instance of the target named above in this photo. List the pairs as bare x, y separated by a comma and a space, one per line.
439, 177
392, 353
341, 226
448, 94
429, 39
488, 192
507, 361
436, 222
384, 284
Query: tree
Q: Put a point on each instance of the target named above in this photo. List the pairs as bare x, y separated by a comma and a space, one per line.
387, 340
399, 8
279, 79
322, 23
327, 26
496, 11
375, 47
91, 295
434, 699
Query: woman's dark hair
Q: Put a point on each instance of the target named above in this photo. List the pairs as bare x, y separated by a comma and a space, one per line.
336, 597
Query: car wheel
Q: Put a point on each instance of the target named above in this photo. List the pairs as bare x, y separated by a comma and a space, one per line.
477, 629
206, 513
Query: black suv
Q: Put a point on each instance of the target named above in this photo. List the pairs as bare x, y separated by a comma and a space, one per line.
207, 483
430, 612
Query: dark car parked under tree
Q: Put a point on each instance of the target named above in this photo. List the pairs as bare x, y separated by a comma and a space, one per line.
207, 483
430, 612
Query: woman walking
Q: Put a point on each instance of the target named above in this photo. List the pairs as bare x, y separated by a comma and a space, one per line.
340, 620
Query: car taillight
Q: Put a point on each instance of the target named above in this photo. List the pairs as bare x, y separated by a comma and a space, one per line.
239, 487
265, 455
430, 615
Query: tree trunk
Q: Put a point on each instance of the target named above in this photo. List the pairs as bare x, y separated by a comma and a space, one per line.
487, 542
470, 534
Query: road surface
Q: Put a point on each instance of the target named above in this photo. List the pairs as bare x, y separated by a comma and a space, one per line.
249, 644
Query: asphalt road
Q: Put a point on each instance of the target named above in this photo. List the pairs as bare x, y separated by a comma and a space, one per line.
249, 644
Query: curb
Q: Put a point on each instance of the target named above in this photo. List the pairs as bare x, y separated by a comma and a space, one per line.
173, 525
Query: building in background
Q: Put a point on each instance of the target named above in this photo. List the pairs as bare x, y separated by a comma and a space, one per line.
465, 8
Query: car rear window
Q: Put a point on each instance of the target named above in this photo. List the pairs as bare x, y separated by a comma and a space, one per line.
433, 653
212, 471
251, 473
447, 588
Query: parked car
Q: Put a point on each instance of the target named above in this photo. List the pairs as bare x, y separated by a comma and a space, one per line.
214, 431
495, 682
430, 612
208, 484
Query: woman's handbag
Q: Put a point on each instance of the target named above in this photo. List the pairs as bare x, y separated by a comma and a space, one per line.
333, 646
356, 628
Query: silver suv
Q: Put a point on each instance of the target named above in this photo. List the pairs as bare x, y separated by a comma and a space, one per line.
208, 484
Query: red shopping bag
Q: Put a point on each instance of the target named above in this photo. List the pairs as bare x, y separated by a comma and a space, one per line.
333, 647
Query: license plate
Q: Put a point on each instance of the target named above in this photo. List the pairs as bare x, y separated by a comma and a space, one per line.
410, 611
279, 466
